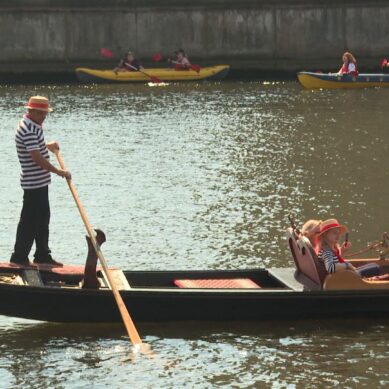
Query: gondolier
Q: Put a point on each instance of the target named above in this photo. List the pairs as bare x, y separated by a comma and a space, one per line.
35, 178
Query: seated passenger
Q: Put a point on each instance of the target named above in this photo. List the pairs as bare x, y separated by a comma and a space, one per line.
128, 64
385, 66
311, 230
331, 253
182, 61
349, 65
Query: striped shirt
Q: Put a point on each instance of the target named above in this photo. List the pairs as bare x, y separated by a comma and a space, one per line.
330, 258
29, 137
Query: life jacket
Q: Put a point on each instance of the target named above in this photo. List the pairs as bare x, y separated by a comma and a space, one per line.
179, 66
182, 66
345, 70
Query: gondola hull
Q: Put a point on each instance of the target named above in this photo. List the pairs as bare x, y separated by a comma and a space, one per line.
310, 80
154, 298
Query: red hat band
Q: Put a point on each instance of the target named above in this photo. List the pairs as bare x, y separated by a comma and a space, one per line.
329, 226
38, 105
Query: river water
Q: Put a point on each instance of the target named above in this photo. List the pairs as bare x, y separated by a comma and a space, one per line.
192, 176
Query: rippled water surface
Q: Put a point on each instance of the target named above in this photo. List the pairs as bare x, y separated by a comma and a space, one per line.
201, 176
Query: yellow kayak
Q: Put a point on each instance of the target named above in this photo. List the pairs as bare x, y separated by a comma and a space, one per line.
312, 80
169, 74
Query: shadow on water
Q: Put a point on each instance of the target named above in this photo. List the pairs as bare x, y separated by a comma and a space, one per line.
32, 332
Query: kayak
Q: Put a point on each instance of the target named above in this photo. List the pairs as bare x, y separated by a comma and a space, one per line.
312, 80
168, 74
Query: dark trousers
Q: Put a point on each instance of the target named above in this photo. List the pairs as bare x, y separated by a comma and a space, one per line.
33, 225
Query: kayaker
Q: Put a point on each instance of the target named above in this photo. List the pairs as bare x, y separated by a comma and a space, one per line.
349, 65
385, 66
128, 64
330, 252
311, 230
181, 62
33, 154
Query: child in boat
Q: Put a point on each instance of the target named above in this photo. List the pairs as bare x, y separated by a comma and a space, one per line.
311, 230
182, 61
349, 65
331, 253
128, 64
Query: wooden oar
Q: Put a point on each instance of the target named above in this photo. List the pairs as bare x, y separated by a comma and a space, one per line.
128, 323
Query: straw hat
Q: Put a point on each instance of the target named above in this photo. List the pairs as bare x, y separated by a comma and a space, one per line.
39, 103
331, 224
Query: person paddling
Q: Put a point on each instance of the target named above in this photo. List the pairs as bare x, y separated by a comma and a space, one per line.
35, 178
349, 65
182, 61
129, 64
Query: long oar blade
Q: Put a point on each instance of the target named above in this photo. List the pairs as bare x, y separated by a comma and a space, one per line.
128, 322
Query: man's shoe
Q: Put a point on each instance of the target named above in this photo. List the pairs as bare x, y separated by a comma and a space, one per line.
47, 261
20, 261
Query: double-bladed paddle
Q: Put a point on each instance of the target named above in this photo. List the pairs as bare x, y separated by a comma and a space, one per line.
108, 54
128, 322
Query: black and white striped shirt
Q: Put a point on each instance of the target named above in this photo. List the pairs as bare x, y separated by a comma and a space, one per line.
29, 137
329, 258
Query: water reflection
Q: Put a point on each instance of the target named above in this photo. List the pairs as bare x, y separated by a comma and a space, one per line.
201, 176
332, 353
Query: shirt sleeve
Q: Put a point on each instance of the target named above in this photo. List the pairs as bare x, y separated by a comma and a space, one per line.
31, 141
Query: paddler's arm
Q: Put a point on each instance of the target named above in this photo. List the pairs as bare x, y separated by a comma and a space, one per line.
45, 164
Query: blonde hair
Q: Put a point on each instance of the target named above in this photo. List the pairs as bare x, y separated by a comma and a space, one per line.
309, 226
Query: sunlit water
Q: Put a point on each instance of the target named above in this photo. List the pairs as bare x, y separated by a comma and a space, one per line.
201, 176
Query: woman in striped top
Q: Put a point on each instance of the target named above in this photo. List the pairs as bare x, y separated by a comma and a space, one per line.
331, 253
33, 154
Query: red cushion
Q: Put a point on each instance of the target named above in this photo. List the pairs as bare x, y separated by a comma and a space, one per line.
232, 283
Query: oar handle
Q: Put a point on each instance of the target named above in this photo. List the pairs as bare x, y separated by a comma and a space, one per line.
128, 322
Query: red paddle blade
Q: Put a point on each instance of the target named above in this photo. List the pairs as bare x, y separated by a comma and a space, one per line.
106, 53
196, 68
155, 80
157, 57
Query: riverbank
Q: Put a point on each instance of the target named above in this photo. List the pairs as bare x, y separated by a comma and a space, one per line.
45, 37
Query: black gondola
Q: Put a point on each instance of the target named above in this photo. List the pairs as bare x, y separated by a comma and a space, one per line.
72, 294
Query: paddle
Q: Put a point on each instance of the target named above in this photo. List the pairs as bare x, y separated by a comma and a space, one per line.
128, 323
108, 54
156, 80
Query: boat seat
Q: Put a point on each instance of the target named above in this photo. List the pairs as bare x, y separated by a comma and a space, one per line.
350, 280
119, 279
309, 265
225, 283
305, 258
